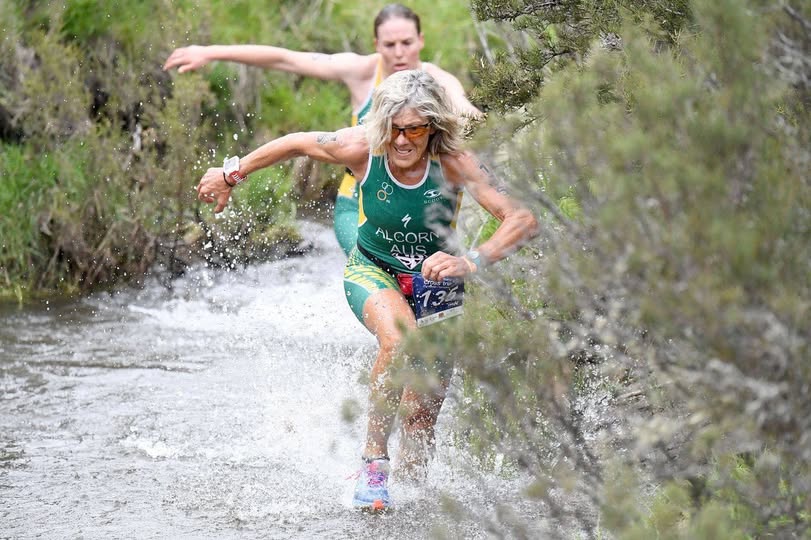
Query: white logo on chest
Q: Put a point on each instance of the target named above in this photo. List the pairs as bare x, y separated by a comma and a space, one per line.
410, 261
406, 219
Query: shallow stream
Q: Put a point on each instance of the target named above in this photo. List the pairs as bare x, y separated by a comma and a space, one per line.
212, 411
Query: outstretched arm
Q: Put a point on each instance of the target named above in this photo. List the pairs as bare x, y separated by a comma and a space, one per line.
347, 147
337, 67
517, 227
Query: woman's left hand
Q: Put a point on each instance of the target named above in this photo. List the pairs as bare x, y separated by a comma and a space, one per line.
441, 265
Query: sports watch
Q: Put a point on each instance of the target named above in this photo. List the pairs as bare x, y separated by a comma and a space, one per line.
475, 257
230, 172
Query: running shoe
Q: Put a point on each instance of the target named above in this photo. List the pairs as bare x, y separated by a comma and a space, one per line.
371, 493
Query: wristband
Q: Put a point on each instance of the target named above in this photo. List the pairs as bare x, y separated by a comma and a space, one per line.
475, 257
230, 171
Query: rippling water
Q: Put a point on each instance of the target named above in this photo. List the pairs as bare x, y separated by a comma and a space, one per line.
210, 411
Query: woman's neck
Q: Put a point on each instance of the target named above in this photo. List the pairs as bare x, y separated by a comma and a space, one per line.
409, 175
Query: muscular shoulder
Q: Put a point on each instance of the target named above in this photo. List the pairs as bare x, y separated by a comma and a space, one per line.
356, 67
453, 89
443, 77
351, 137
357, 73
352, 145
354, 63
464, 169
458, 167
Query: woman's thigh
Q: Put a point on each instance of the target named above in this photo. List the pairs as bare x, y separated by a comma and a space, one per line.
374, 295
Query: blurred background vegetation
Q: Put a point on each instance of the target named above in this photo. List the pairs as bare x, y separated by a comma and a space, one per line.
645, 361
100, 148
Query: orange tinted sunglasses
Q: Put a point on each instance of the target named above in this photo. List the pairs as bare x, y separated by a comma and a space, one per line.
411, 132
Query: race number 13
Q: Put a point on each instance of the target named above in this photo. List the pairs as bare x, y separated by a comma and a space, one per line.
437, 300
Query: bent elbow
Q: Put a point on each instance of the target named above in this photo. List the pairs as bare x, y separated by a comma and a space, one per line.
529, 224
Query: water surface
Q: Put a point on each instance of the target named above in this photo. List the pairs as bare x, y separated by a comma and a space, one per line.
211, 411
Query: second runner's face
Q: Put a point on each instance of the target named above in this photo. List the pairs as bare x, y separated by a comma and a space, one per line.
399, 44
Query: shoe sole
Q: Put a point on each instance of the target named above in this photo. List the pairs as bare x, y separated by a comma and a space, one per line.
377, 507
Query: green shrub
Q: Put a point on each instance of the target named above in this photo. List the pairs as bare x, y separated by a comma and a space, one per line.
27, 180
664, 322
81, 82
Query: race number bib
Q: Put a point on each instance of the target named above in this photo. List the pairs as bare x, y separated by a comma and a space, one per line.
437, 300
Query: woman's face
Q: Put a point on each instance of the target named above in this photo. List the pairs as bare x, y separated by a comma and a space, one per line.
399, 44
410, 133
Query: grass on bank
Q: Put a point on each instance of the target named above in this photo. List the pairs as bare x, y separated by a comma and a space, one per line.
110, 143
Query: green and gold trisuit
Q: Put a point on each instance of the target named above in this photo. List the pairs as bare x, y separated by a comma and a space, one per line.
400, 226
345, 221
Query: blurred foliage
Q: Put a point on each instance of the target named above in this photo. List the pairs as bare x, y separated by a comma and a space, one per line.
645, 362
526, 41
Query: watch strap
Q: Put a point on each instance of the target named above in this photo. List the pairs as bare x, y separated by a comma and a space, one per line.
474, 257
230, 172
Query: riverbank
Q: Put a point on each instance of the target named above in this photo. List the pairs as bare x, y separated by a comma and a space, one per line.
100, 148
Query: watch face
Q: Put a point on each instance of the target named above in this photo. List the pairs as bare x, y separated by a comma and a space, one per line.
231, 164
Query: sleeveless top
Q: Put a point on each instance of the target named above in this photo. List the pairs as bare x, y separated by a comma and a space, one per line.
402, 225
348, 187
366, 106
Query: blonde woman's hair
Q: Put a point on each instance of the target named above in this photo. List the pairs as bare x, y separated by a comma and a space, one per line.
413, 89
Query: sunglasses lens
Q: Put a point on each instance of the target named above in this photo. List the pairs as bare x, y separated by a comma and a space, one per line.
411, 132
416, 131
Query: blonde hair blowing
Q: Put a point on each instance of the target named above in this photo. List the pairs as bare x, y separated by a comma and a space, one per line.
413, 89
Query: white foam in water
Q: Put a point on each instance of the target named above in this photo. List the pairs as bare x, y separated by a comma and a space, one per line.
212, 411
153, 449
298, 298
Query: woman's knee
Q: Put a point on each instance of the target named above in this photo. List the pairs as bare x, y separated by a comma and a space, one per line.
421, 411
421, 419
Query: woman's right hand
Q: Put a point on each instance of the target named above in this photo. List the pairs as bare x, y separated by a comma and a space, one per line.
187, 58
212, 188
440, 265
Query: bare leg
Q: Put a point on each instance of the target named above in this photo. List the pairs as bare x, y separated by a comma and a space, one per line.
385, 314
420, 410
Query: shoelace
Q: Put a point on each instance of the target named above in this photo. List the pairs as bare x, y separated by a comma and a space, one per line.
373, 478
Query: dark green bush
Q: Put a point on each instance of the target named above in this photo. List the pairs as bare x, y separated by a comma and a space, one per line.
651, 374
81, 87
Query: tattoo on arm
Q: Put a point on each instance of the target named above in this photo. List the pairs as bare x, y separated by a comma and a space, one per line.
320, 57
325, 138
492, 180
